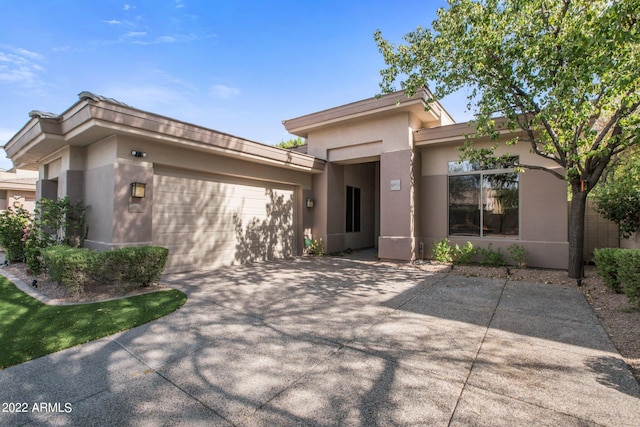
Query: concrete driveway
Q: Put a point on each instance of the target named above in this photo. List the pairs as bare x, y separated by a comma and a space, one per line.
330, 341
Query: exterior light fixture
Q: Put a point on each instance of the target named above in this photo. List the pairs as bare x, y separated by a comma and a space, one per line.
136, 153
138, 190
310, 203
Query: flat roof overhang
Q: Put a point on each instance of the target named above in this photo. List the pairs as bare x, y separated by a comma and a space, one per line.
393, 103
94, 118
459, 133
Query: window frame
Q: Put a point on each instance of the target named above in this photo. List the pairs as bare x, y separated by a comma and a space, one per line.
466, 168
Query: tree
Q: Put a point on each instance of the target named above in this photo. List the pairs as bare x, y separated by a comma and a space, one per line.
291, 143
618, 199
552, 68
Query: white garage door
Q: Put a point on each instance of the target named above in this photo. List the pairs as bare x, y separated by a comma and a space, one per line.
210, 221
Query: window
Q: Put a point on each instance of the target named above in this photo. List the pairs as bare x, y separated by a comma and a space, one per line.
483, 199
353, 209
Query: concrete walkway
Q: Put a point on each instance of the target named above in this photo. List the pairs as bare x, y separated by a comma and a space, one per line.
340, 342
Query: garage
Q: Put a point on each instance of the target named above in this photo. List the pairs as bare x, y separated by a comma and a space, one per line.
208, 220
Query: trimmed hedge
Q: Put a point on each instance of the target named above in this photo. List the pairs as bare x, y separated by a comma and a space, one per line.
136, 266
628, 261
605, 259
126, 267
68, 266
620, 269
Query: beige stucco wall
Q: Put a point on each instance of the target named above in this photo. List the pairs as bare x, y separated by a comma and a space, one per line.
361, 140
383, 141
101, 173
543, 208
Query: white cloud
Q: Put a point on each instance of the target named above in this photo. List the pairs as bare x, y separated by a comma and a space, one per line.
180, 4
127, 7
223, 91
113, 22
28, 54
136, 34
20, 66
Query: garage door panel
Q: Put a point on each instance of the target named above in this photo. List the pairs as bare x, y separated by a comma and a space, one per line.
206, 223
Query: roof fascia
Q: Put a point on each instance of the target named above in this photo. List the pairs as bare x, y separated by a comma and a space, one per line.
94, 112
396, 102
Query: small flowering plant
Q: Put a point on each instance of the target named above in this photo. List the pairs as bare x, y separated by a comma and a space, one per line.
314, 246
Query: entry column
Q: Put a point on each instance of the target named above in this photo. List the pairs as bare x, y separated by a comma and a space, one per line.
397, 205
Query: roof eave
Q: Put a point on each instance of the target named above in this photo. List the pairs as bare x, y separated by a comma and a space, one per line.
93, 118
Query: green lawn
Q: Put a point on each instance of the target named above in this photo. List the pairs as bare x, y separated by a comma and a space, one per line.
30, 329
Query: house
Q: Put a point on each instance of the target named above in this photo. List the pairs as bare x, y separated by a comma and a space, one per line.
383, 172
18, 189
393, 179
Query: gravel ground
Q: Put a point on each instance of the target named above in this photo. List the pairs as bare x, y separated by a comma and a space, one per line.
614, 311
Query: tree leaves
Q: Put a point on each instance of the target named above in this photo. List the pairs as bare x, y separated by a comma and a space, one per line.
553, 68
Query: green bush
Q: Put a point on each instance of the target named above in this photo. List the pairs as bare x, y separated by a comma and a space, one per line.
463, 254
606, 264
13, 228
628, 263
442, 251
125, 267
68, 266
56, 222
518, 254
131, 267
490, 257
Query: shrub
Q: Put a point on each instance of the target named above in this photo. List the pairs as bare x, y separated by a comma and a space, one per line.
628, 264
314, 247
518, 254
136, 266
13, 227
606, 264
463, 254
56, 222
442, 251
126, 267
68, 266
490, 257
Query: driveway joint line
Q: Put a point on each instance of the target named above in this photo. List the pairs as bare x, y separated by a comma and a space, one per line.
475, 357
168, 380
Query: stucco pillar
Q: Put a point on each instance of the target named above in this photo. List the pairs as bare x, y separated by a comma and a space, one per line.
132, 217
397, 205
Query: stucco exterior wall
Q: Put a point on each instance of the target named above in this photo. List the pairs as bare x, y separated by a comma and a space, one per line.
386, 142
361, 141
543, 228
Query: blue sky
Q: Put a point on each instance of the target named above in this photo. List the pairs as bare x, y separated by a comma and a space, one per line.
239, 67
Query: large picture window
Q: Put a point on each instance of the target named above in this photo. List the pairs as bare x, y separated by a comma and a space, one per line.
483, 199
353, 209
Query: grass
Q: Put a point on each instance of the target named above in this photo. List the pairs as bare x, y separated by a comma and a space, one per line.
30, 329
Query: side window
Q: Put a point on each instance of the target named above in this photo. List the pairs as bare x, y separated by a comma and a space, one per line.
353, 210
483, 200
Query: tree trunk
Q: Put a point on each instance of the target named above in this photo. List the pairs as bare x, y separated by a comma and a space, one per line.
576, 231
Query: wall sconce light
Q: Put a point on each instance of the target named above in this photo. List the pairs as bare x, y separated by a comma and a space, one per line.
310, 203
138, 189
136, 153
16, 201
